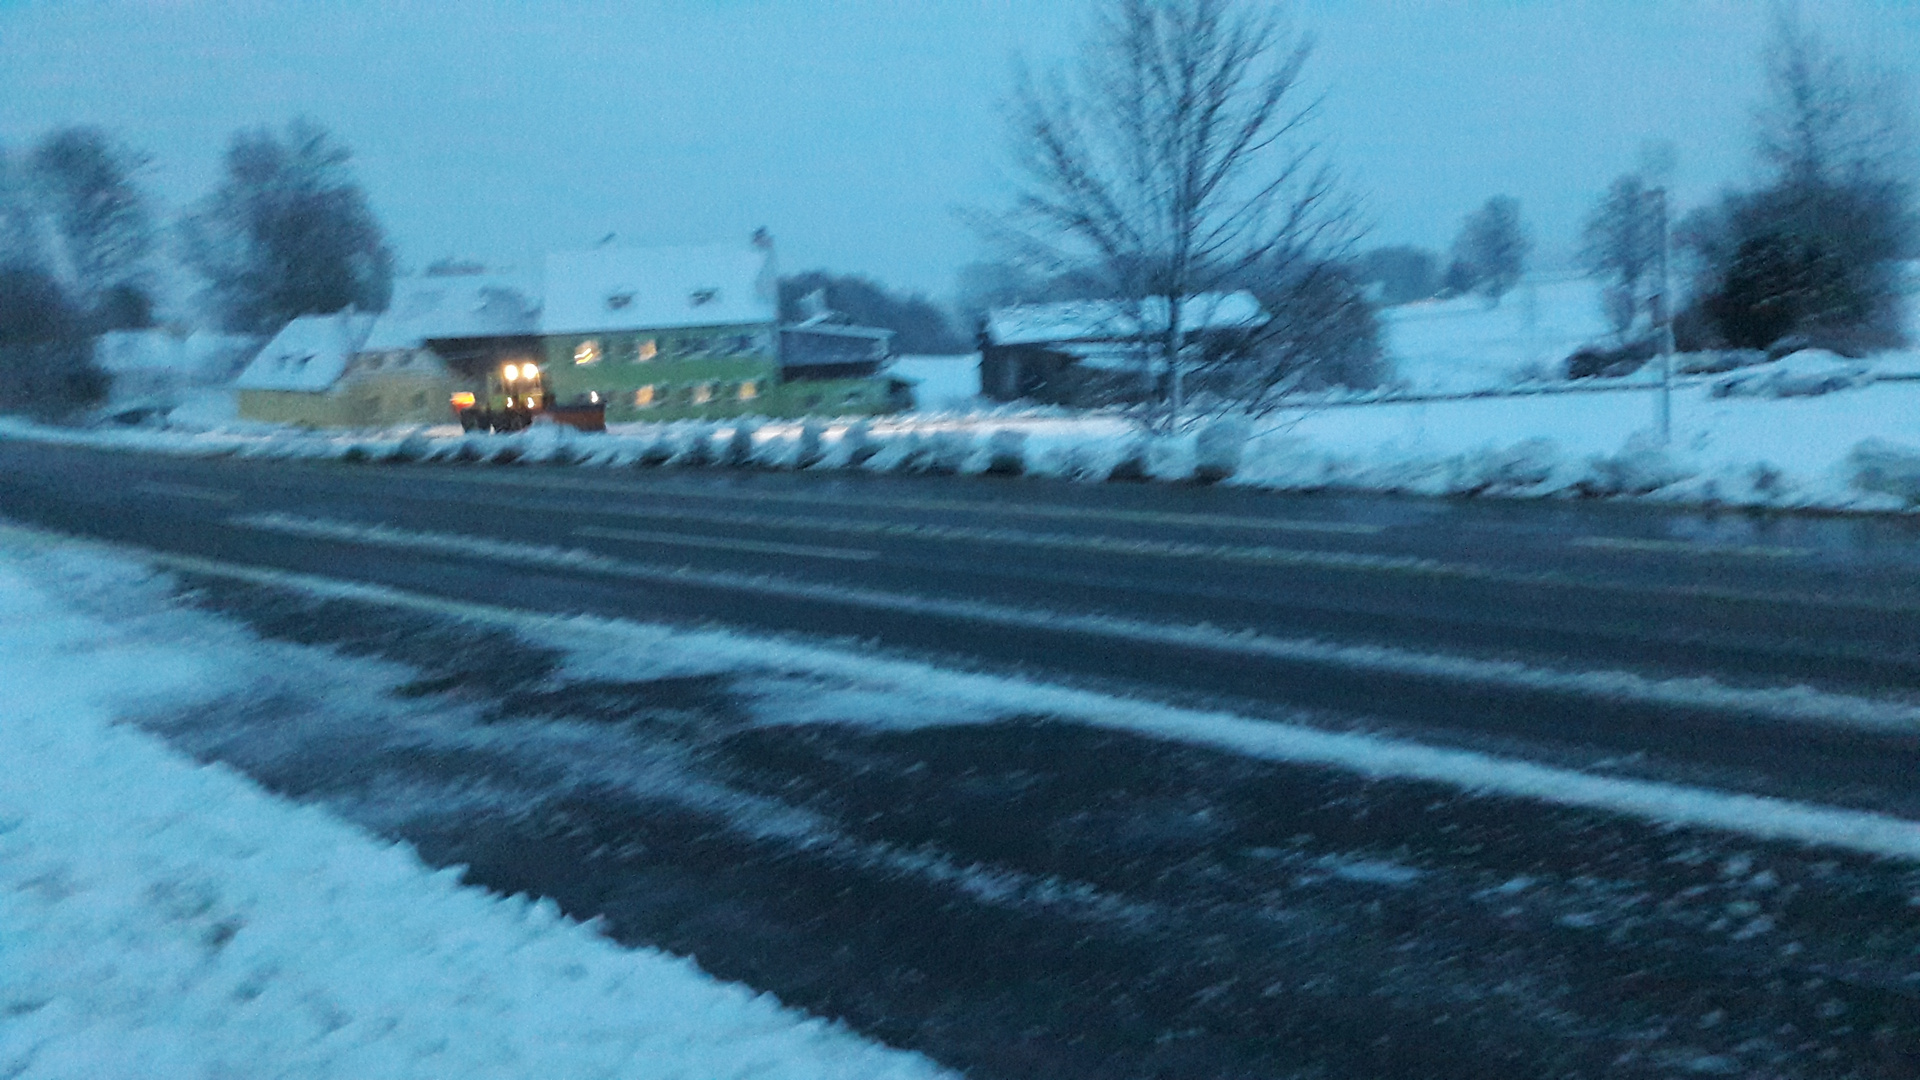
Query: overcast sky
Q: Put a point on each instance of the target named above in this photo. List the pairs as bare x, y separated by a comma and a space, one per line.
853, 129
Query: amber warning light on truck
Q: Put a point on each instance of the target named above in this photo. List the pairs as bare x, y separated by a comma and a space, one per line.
463, 400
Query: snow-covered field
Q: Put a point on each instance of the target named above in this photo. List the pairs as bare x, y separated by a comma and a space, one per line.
160, 918
1462, 345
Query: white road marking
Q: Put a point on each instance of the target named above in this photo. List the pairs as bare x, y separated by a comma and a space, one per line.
995, 508
1799, 704
1318, 559
183, 491
1684, 547
762, 547
1654, 801
1110, 545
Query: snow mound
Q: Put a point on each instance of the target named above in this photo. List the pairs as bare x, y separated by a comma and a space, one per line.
1806, 373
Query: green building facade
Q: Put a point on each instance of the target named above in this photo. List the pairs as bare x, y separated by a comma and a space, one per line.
678, 333
696, 372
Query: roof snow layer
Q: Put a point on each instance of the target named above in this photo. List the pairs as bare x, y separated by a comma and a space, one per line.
614, 289
1113, 320
309, 354
455, 306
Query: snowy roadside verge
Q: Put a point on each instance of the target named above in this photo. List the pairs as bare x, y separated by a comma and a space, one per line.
163, 918
1855, 449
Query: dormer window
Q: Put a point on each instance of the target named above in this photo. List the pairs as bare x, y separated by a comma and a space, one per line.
701, 297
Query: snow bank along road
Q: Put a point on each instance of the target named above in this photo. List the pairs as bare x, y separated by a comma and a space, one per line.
1241, 784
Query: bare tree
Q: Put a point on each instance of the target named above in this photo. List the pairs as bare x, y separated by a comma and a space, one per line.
1493, 246
1620, 247
20, 244
1173, 160
85, 181
288, 233
1824, 122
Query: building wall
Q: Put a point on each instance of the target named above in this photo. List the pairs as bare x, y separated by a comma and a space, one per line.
413, 397
370, 401
715, 371
297, 407
640, 374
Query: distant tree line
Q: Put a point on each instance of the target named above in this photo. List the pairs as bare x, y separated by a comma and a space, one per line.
288, 232
918, 324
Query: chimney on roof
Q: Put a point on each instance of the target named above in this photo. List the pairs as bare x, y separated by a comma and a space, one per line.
766, 284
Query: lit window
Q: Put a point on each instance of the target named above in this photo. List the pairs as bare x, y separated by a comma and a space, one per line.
702, 393
647, 351
749, 390
644, 397
587, 352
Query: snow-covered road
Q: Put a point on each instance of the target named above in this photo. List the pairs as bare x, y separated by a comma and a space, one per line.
1018, 880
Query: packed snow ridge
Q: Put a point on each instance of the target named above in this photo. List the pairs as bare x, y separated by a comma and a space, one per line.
1733, 443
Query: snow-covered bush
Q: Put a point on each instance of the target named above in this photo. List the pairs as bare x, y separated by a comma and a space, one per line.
1006, 453
1505, 470
739, 453
695, 445
947, 452
1806, 373
1641, 466
1217, 449
857, 446
1886, 468
808, 448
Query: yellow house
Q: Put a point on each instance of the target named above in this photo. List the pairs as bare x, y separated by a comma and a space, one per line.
317, 372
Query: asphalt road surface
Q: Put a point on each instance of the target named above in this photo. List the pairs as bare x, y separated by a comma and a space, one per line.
1124, 905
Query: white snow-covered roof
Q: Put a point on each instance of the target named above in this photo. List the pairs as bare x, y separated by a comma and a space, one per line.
1114, 320
611, 289
455, 306
309, 354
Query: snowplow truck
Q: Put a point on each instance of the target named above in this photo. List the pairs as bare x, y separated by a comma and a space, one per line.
516, 393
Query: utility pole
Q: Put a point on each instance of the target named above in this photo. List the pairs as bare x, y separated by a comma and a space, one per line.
1661, 311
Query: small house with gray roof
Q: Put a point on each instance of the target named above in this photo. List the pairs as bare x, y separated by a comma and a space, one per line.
1096, 352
